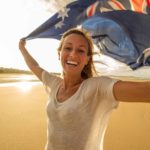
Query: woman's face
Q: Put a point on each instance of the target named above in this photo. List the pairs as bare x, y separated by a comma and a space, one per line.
74, 54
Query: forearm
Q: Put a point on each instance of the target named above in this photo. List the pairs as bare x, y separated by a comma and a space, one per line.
147, 92
132, 91
30, 61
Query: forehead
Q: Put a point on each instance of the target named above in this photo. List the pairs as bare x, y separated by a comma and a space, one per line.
75, 38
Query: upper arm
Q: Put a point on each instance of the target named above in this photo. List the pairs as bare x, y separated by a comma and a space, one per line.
127, 91
37, 70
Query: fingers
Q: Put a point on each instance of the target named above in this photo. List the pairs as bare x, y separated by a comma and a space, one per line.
22, 41
22, 44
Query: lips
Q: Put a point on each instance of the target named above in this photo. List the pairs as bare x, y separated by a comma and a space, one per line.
69, 62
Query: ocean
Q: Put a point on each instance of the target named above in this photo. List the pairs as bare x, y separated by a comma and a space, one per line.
13, 79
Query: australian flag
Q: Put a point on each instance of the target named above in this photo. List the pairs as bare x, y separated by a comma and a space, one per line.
60, 22
119, 28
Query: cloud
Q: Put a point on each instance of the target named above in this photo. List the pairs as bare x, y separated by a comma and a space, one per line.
55, 5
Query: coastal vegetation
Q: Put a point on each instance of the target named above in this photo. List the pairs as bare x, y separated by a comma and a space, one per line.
13, 70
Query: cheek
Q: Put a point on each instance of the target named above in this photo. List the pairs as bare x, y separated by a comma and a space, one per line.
62, 56
85, 59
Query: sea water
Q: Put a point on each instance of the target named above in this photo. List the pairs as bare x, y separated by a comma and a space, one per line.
12, 79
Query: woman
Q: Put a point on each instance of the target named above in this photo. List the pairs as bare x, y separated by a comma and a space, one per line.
80, 104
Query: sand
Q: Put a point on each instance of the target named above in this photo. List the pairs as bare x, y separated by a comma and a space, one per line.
23, 122
22, 118
129, 128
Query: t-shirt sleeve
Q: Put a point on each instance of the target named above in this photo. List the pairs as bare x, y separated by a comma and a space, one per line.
106, 88
50, 81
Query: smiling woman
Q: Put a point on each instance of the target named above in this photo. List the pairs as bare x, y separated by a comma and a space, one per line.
78, 97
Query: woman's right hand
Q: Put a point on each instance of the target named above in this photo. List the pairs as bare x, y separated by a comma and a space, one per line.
22, 44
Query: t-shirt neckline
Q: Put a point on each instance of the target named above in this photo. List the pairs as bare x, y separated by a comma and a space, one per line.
68, 99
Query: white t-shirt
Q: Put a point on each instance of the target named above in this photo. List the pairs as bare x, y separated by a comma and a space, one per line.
79, 123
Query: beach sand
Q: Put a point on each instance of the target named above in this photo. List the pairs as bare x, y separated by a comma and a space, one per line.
22, 118
129, 128
23, 122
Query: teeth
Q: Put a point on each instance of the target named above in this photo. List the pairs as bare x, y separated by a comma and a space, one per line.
72, 62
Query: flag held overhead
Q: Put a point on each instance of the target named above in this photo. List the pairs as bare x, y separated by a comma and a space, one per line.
67, 18
130, 17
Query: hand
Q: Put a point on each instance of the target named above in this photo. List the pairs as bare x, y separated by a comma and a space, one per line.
22, 44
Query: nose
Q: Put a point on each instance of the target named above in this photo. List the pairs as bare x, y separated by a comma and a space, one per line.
73, 53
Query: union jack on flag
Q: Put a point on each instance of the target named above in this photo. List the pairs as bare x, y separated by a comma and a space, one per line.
141, 6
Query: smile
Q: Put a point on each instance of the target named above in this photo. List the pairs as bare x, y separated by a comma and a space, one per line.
72, 63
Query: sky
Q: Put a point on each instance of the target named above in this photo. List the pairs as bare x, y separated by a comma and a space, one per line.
18, 19
21, 17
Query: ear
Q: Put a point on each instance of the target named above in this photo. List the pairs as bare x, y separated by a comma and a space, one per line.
59, 55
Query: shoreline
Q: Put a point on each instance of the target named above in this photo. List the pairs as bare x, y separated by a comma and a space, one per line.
13, 84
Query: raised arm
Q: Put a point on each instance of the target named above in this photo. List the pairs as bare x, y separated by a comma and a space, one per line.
30, 61
132, 91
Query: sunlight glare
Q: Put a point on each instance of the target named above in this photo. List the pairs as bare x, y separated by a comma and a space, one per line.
24, 86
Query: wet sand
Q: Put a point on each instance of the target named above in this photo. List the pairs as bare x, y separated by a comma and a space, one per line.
23, 122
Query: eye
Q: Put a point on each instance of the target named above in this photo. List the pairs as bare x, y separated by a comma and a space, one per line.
67, 48
81, 51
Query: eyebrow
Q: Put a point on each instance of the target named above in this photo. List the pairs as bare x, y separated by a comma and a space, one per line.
68, 43
71, 44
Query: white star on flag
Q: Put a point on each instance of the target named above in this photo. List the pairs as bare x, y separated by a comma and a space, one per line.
63, 13
59, 25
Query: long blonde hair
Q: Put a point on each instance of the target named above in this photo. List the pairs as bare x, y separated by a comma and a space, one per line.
89, 70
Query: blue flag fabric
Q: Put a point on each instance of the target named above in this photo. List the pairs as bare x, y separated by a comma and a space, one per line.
123, 35
65, 19
129, 41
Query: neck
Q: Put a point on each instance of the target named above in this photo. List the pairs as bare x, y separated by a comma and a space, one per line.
70, 81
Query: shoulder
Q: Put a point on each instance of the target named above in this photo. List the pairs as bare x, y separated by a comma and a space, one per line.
50, 78
101, 84
101, 80
100, 88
